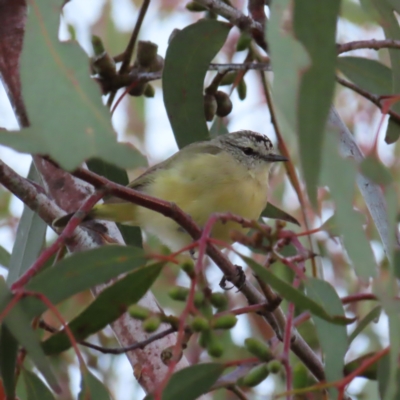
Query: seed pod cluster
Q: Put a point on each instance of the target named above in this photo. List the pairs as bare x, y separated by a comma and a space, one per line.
147, 60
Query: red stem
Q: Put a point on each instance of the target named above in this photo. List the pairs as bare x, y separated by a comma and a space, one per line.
53, 249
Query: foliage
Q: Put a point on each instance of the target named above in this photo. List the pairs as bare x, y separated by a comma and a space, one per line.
304, 287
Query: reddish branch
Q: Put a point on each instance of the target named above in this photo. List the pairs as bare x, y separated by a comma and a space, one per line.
369, 96
368, 44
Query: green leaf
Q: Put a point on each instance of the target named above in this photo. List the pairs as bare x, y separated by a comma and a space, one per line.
353, 12
68, 119
8, 360
382, 11
289, 293
340, 175
393, 131
373, 169
191, 382
383, 377
27, 247
35, 388
19, 326
370, 75
274, 212
218, 128
332, 338
288, 61
373, 315
81, 271
29, 240
92, 388
109, 305
4, 257
186, 63
315, 27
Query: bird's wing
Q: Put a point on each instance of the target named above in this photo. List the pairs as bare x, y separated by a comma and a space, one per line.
187, 152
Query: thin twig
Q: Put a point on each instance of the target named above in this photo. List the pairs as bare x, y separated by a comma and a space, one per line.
290, 169
127, 54
368, 44
114, 350
369, 96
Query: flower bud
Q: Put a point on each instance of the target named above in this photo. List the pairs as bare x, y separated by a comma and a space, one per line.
178, 293
139, 312
255, 376
227, 321
274, 366
199, 324
195, 7
151, 324
258, 349
219, 300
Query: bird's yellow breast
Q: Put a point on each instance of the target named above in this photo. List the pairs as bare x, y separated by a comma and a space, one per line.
202, 185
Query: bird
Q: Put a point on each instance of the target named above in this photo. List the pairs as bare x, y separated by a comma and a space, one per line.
227, 174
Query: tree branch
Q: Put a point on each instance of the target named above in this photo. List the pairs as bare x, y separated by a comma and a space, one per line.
368, 44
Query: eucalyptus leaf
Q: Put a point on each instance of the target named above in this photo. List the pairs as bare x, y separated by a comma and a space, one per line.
186, 63
35, 388
289, 293
372, 316
69, 122
314, 24
109, 305
92, 388
18, 323
191, 382
81, 271
274, 212
332, 338
370, 75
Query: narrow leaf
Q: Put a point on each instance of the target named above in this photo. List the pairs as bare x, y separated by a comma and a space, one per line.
92, 388
68, 122
274, 212
370, 75
4, 257
373, 315
29, 240
382, 11
289, 293
19, 326
186, 63
340, 175
28, 244
373, 169
35, 388
315, 27
191, 382
8, 360
218, 128
109, 305
332, 338
81, 271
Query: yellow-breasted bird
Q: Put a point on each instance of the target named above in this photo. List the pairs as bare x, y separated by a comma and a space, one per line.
226, 174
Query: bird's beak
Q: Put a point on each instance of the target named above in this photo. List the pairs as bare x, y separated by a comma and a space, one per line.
275, 158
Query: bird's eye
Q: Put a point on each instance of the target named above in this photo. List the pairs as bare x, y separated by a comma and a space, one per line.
248, 151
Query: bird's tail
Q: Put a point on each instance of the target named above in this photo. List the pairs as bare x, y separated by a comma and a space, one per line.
118, 212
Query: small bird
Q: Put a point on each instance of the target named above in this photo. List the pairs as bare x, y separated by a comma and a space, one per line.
228, 174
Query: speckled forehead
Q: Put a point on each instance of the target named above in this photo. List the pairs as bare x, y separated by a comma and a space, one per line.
259, 139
